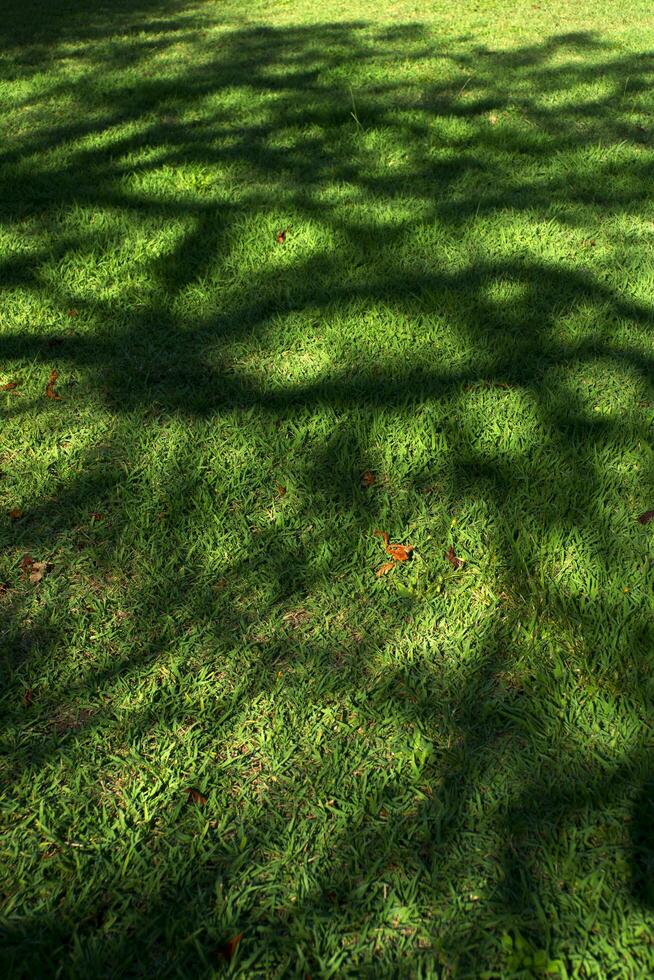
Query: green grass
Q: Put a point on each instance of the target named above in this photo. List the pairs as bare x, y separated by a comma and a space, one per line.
434, 773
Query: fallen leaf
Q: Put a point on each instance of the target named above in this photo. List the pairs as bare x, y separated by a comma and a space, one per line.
195, 796
27, 697
96, 516
72, 312
9, 386
280, 490
26, 563
453, 560
367, 480
34, 570
400, 552
39, 569
15, 514
646, 517
281, 237
228, 949
49, 388
385, 568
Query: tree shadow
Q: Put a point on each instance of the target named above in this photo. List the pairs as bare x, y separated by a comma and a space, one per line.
503, 772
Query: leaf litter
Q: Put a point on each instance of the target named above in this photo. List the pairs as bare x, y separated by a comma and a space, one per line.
398, 552
34, 570
49, 388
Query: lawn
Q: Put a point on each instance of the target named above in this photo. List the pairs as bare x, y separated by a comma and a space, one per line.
275, 276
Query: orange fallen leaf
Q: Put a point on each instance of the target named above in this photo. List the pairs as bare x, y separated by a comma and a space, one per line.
453, 560
9, 386
49, 388
400, 552
367, 480
384, 569
228, 949
15, 514
646, 517
281, 237
195, 796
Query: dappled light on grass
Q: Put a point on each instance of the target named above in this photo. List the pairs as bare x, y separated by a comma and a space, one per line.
305, 282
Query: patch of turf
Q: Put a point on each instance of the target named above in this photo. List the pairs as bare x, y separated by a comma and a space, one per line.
436, 772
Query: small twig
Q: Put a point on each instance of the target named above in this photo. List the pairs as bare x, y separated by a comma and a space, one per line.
460, 92
354, 108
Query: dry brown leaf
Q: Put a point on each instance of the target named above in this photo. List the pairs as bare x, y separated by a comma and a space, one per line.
96, 516
367, 479
72, 313
34, 570
385, 568
9, 386
400, 552
16, 514
39, 568
49, 388
27, 697
280, 238
195, 796
455, 562
646, 517
281, 491
228, 949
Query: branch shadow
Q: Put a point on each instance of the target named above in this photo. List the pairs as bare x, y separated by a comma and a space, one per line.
149, 350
